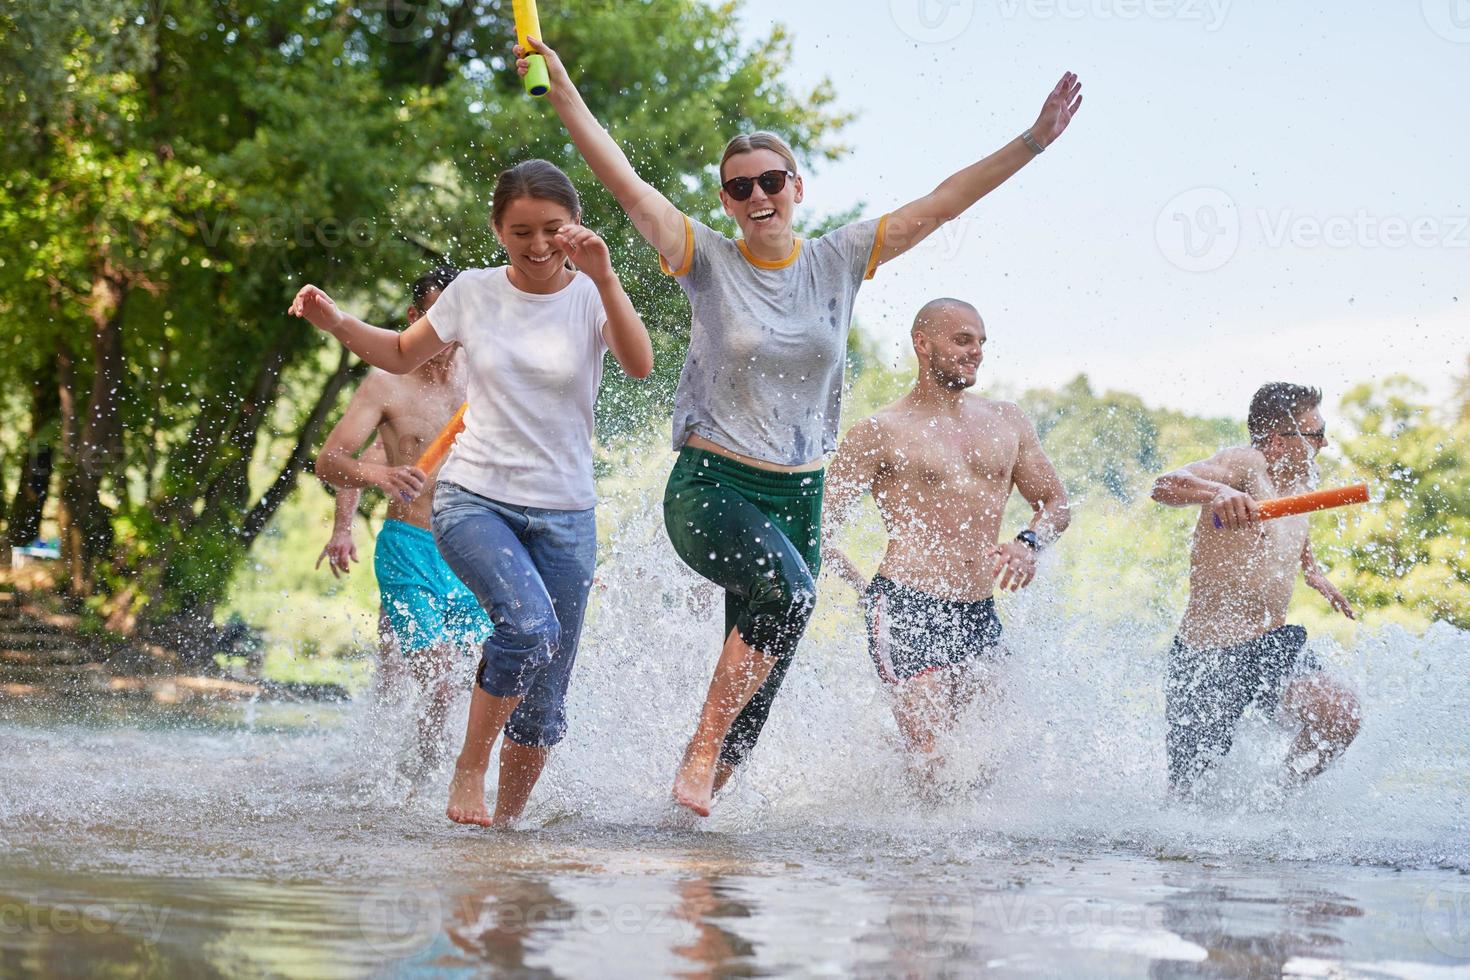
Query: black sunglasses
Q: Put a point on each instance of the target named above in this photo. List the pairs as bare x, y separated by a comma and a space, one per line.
1318, 435
772, 182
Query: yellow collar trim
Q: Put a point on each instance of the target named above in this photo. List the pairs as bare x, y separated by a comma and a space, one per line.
762, 263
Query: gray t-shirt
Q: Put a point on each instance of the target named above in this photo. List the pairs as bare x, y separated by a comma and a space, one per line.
768, 341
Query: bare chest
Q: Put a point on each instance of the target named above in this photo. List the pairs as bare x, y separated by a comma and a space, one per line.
413, 417
952, 458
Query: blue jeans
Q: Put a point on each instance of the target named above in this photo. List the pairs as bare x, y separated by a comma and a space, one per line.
531, 569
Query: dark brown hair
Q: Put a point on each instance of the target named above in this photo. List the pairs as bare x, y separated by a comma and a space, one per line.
1276, 407
539, 179
435, 280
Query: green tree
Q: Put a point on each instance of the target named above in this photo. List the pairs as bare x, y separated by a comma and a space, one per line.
172, 173
1408, 550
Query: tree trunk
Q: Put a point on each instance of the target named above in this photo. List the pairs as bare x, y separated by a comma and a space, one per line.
67, 526
97, 450
5, 550
347, 372
35, 471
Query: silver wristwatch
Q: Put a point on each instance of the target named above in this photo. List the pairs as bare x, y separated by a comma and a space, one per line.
1030, 142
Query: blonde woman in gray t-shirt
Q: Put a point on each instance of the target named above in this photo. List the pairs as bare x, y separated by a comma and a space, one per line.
758, 401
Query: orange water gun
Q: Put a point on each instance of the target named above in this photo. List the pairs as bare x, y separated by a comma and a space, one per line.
439, 448
1305, 503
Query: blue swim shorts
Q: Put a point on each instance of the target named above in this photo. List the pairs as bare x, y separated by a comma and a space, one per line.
425, 603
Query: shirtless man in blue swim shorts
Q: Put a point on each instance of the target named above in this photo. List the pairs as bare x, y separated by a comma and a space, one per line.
1234, 649
428, 612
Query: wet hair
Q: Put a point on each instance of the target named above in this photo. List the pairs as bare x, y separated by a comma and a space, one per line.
538, 179
1276, 407
433, 281
925, 317
759, 140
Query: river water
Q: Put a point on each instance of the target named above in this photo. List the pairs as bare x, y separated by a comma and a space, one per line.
282, 840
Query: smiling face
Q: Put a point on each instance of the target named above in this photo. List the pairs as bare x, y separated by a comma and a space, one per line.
949, 340
762, 216
527, 231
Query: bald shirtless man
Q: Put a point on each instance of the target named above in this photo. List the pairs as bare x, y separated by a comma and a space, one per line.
429, 613
1234, 648
941, 465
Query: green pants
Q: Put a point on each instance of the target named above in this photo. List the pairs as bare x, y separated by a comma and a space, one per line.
757, 535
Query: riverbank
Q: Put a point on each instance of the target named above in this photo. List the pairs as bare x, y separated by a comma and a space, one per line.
47, 652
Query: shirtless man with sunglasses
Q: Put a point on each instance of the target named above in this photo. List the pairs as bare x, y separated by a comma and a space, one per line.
1234, 648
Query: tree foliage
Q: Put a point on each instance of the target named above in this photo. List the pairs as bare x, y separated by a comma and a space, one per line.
172, 173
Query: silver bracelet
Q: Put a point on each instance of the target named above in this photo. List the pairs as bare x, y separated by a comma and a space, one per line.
1031, 143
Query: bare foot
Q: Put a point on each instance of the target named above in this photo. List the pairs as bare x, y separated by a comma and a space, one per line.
467, 798
695, 783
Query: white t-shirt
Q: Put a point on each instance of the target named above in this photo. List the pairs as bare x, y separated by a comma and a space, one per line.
535, 363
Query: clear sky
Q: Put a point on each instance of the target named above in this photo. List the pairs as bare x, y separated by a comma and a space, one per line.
1253, 190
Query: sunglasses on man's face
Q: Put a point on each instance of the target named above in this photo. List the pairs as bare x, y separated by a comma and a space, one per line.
772, 182
1318, 435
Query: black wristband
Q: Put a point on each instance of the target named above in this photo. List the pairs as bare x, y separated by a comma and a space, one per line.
1029, 539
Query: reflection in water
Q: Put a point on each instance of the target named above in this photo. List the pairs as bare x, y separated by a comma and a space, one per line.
497, 924
715, 951
1263, 933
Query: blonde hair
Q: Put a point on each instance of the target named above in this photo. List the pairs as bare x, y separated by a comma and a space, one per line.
759, 140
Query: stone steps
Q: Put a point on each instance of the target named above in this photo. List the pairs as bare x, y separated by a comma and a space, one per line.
13, 639
27, 656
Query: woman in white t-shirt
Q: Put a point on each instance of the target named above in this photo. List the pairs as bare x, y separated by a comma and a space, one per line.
513, 508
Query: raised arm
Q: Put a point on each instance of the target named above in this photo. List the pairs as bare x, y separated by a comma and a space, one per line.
657, 220
1214, 483
338, 464
396, 353
917, 220
851, 475
624, 332
341, 551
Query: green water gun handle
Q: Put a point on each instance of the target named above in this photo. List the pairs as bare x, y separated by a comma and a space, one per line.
528, 24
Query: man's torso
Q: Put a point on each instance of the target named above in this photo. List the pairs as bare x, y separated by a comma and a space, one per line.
415, 410
942, 487
1240, 582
